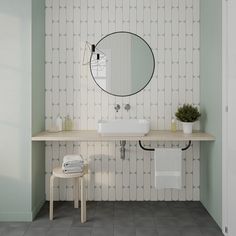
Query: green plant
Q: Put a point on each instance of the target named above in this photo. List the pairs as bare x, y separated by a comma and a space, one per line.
187, 113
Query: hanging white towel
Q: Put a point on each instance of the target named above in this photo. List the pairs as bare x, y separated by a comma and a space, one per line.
168, 168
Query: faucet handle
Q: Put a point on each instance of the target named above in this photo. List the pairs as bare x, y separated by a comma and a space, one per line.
127, 107
117, 107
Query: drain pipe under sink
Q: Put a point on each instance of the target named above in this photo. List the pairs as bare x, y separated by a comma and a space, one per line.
122, 149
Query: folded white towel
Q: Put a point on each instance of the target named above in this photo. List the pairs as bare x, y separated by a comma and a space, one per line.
73, 164
73, 170
72, 161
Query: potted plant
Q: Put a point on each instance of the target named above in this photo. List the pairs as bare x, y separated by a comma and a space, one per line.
187, 114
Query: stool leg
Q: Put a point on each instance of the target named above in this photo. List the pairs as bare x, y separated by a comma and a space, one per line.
83, 201
76, 192
51, 198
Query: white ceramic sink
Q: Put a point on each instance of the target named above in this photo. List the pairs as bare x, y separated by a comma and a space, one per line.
125, 127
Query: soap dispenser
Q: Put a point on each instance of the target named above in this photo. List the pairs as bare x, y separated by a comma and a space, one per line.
173, 125
58, 123
68, 123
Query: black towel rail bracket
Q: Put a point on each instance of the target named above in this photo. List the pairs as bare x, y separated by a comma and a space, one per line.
152, 149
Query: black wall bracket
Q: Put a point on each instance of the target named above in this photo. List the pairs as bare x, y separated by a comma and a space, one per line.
152, 149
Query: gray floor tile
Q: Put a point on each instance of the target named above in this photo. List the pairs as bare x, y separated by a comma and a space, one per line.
205, 221
77, 222
158, 204
62, 222
99, 221
181, 212
190, 231
17, 224
119, 218
58, 232
123, 212
2, 229
198, 213
80, 232
176, 204
105, 204
41, 223
166, 222
123, 204
146, 232
168, 231
193, 204
144, 222
124, 231
36, 232
166, 212
104, 212
184, 220
101, 231
126, 221
211, 231
14, 230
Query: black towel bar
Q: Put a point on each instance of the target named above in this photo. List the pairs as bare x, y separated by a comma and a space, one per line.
152, 149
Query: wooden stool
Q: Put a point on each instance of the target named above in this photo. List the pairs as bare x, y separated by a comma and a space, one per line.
58, 173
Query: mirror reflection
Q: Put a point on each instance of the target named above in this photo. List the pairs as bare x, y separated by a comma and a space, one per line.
122, 63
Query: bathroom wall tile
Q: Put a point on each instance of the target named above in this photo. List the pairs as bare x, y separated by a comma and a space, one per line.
182, 35
195, 35
196, 6
48, 48
62, 21
174, 195
161, 21
189, 20
175, 20
182, 10
55, 10
105, 20
172, 30
153, 10
189, 48
196, 98
133, 21
189, 187
48, 76
146, 187
119, 187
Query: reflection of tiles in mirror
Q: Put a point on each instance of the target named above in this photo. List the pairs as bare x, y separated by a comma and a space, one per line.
172, 30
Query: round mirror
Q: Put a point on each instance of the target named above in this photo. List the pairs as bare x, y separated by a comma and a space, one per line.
122, 63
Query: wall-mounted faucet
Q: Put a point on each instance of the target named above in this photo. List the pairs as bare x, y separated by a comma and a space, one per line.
127, 107
117, 107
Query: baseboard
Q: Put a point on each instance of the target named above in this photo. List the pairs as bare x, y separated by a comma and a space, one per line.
16, 216
21, 216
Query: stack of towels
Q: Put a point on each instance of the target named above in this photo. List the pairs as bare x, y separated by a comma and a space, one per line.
73, 164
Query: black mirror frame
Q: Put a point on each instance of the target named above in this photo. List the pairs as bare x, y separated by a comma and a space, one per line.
116, 32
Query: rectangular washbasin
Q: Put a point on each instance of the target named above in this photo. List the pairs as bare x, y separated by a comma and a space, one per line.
125, 127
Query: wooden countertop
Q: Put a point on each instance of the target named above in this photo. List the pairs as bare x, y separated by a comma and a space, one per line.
92, 135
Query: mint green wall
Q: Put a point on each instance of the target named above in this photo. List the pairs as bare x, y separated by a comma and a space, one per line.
15, 110
21, 173
38, 108
211, 105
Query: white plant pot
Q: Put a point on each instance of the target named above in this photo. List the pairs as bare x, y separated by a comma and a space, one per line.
187, 127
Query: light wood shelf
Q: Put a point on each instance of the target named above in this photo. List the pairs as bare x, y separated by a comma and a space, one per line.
92, 135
